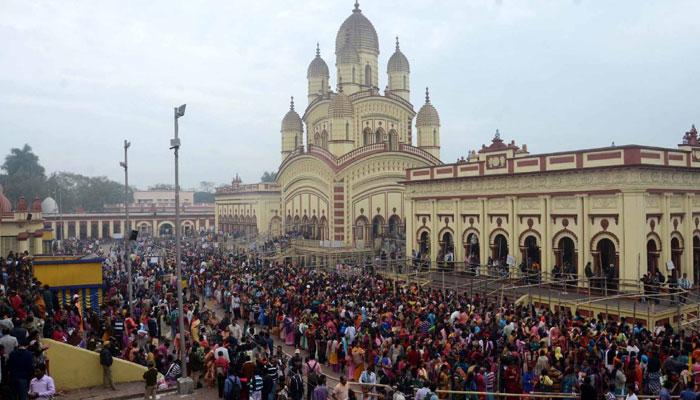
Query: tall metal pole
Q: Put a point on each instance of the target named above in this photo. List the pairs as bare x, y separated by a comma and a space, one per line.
126, 235
175, 145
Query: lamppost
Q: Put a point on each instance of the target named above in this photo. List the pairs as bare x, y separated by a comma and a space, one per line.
126, 235
183, 386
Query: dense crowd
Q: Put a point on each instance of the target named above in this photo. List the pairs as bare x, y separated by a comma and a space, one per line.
390, 338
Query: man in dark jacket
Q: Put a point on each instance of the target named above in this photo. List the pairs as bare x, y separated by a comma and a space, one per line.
20, 368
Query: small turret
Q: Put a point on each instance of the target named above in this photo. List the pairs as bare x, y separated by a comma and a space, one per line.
317, 75
399, 73
428, 125
292, 131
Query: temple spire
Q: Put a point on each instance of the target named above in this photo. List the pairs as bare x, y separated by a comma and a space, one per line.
357, 7
291, 104
427, 95
318, 50
397, 43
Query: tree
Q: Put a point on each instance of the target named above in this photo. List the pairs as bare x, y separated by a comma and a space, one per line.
75, 191
24, 176
162, 186
207, 187
268, 177
203, 197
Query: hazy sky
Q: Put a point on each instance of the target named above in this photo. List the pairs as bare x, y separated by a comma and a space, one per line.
78, 77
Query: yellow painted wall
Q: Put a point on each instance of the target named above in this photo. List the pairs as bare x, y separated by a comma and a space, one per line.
69, 274
74, 368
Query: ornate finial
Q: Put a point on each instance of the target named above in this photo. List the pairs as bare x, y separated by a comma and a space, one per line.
427, 95
318, 50
498, 135
291, 104
357, 6
397, 43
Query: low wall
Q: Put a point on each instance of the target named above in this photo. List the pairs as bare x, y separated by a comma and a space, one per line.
75, 368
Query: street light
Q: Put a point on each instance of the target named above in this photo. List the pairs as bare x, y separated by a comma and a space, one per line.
185, 385
126, 235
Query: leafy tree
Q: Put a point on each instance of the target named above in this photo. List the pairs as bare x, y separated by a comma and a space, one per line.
207, 187
162, 186
268, 177
23, 176
75, 191
203, 197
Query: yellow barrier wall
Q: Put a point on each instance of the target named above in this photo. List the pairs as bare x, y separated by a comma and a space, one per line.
69, 273
75, 368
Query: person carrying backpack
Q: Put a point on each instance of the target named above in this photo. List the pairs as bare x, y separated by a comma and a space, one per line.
106, 361
296, 384
312, 370
232, 386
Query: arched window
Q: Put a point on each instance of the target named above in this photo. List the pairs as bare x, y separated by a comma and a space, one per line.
393, 140
367, 136
368, 75
404, 82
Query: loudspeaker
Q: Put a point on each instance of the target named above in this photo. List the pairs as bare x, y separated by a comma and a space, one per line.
29, 217
134, 235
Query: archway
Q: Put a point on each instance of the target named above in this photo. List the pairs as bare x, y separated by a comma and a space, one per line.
276, 226
165, 229
288, 223
361, 229
377, 226
676, 255
368, 137
696, 259
306, 227
567, 253
297, 221
424, 245
379, 136
652, 256
447, 249
324, 228
314, 228
531, 250
499, 250
394, 226
472, 251
608, 263
393, 140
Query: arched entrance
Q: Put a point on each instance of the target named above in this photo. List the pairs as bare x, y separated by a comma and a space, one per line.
499, 250
394, 226
472, 250
361, 229
165, 230
377, 226
652, 256
567, 253
696, 260
424, 248
447, 249
531, 250
608, 264
676, 255
276, 226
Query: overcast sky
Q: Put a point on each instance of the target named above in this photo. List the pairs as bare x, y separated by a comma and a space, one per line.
79, 77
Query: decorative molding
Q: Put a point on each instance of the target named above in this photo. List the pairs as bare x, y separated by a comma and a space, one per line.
616, 217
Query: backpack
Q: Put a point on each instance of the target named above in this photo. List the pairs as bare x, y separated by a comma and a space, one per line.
296, 385
232, 388
106, 358
312, 378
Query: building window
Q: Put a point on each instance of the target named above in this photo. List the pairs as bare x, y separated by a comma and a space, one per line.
368, 75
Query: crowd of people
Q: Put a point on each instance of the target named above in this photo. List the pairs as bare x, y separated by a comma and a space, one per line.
381, 337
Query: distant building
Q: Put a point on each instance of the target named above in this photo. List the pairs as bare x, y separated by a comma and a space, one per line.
151, 213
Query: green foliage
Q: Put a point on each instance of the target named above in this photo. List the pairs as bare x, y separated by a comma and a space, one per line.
74, 191
23, 176
268, 177
162, 186
203, 197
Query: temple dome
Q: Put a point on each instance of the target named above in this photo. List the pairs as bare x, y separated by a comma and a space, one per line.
49, 206
427, 115
340, 107
292, 120
360, 33
318, 67
5, 203
398, 61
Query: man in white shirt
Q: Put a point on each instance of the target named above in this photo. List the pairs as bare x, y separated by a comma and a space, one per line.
42, 387
235, 330
350, 334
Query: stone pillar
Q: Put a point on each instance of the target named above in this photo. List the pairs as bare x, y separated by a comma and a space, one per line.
633, 237
410, 230
547, 257
64, 231
687, 230
77, 229
111, 228
459, 227
665, 228
485, 251
88, 224
99, 229
38, 245
435, 227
